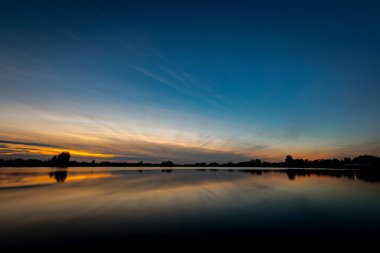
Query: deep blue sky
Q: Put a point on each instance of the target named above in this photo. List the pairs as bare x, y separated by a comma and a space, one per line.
190, 80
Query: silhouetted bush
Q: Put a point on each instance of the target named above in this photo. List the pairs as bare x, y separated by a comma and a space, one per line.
60, 160
167, 164
63, 160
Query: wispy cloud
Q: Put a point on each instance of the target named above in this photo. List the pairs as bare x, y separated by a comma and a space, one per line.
121, 149
29, 143
184, 86
22, 149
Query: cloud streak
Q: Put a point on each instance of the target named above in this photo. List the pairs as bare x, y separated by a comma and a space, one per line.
29, 143
22, 149
132, 151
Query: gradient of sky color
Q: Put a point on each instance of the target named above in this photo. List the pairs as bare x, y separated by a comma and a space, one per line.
189, 81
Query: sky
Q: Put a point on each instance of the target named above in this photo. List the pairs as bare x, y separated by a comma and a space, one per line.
189, 81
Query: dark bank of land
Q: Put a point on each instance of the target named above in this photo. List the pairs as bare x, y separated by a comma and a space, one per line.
63, 160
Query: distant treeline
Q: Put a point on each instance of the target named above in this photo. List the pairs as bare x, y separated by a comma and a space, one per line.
63, 160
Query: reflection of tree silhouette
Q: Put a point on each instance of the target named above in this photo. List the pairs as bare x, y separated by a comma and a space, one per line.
291, 175
255, 172
367, 175
59, 175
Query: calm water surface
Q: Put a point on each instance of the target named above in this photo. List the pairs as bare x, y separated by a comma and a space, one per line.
39, 206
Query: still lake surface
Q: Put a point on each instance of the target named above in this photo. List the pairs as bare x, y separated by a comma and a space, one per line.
39, 206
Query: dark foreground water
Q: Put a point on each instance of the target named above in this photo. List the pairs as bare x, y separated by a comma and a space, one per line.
41, 207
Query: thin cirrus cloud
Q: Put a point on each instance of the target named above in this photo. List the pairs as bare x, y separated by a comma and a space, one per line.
96, 135
181, 85
30, 149
28, 143
132, 138
137, 151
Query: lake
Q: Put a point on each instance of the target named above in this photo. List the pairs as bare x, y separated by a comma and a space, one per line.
103, 206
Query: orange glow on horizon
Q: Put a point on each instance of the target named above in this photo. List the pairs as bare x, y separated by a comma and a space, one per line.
28, 149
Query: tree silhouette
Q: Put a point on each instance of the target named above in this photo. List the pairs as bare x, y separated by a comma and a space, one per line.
167, 164
61, 160
289, 159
